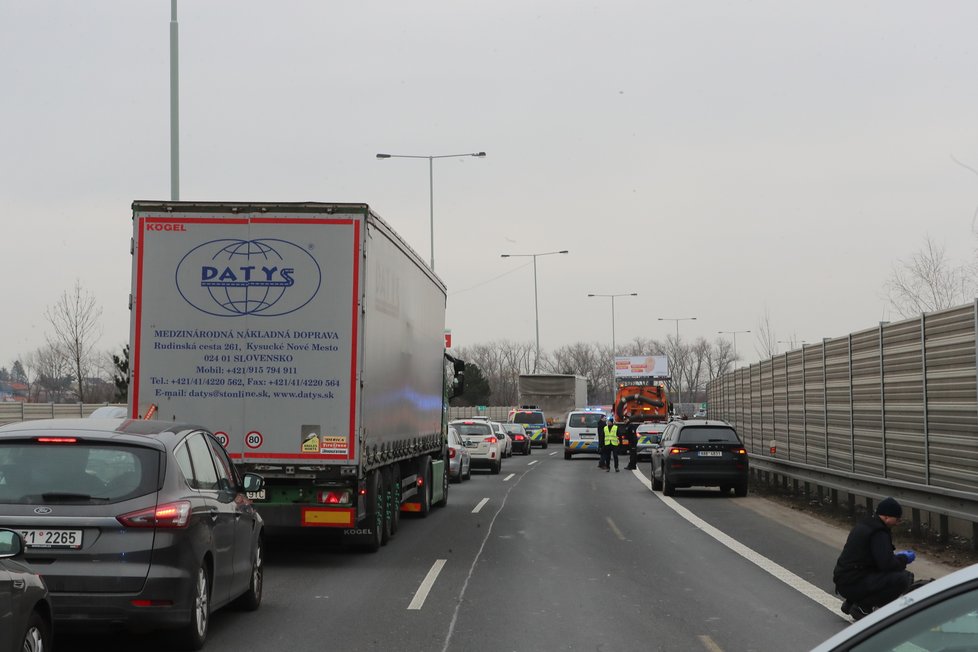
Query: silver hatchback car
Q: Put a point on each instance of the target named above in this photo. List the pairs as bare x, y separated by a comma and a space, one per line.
137, 523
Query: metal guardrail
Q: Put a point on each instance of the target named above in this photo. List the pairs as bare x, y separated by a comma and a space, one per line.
14, 411
890, 410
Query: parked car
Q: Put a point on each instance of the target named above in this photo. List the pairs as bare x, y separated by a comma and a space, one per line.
109, 412
535, 423
649, 437
459, 461
505, 443
939, 615
481, 442
581, 432
25, 607
700, 453
521, 441
141, 523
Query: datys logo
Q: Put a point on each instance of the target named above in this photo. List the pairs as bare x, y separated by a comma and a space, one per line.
234, 278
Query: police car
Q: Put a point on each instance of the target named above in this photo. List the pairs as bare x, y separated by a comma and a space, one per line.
581, 432
649, 436
533, 422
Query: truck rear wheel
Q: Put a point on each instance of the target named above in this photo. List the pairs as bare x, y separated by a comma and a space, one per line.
444, 490
395, 498
384, 504
375, 517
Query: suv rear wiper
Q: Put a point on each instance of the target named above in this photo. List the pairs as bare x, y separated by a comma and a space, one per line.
63, 495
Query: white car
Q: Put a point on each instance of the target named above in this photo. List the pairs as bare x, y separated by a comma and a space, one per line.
481, 442
505, 442
459, 461
940, 615
581, 432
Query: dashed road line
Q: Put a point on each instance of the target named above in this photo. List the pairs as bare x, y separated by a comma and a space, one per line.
532, 463
709, 643
429, 580
482, 503
614, 528
509, 477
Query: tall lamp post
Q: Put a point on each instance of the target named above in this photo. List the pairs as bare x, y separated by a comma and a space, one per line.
792, 343
536, 304
613, 348
431, 188
734, 333
679, 385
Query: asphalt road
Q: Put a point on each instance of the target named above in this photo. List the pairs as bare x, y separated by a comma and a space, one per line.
551, 554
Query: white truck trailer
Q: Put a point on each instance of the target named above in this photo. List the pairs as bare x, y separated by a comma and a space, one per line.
309, 337
556, 395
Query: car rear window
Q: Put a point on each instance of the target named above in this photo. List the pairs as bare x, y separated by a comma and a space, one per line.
473, 429
584, 420
515, 429
75, 473
529, 417
708, 435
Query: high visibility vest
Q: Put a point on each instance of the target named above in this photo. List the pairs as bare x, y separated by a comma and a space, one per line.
611, 436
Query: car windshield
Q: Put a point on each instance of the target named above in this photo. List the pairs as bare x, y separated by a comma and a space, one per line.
529, 417
33, 473
584, 419
473, 429
708, 435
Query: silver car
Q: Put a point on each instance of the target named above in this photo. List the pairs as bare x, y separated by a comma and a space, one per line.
481, 442
505, 442
145, 524
25, 609
459, 462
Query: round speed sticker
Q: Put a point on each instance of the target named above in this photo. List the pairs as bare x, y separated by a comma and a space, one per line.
222, 437
253, 439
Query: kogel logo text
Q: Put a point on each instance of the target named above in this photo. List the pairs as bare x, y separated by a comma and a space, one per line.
234, 278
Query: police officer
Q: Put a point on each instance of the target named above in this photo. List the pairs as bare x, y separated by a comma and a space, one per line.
631, 440
869, 573
609, 437
599, 437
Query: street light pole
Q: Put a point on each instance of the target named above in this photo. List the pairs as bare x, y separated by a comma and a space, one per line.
612, 297
679, 385
431, 187
536, 303
734, 333
174, 103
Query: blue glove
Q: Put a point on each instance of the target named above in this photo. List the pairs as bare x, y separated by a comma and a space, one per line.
907, 554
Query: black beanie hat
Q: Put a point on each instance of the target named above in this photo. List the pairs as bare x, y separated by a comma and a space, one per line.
889, 507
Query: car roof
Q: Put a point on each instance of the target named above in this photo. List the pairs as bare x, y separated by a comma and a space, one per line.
963, 576
131, 431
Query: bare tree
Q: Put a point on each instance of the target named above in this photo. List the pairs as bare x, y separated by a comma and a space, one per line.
54, 377
929, 281
720, 358
767, 340
76, 320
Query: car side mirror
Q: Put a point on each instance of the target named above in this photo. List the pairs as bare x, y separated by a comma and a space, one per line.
252, 482
11, 545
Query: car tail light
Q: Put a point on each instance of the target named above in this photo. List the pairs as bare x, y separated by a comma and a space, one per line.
167, 515
334, 497
518, 437
451, 452
491, 440
151, 603
566, 435
678, 450
738, 451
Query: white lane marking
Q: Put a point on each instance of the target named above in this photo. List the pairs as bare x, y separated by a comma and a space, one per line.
709, 643
804, 587
532, 463
614, 528
509, 477
482, 503
553, 453
426, 584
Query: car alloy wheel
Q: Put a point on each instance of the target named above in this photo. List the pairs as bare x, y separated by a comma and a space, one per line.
36, 638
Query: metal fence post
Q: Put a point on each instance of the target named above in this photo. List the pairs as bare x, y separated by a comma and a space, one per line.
825, 402
787, 406
852, 424
923, 383
882, 403
804, 406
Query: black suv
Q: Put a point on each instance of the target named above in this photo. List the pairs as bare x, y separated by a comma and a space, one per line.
700, 453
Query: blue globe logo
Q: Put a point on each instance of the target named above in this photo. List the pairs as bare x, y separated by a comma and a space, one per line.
235, 278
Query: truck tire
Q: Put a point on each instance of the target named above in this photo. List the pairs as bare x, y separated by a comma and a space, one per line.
444, 488
424, 496
385, 505
375, 517
395, 494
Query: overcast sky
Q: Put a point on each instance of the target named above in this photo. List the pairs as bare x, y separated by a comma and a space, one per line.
722, 159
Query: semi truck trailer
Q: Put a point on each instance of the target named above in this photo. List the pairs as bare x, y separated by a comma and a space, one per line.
309, 338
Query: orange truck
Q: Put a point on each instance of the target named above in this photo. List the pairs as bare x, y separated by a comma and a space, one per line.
638, 400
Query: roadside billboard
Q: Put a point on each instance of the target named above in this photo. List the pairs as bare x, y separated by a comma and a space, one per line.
646, 366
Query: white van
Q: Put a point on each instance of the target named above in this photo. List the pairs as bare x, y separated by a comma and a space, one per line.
581, 432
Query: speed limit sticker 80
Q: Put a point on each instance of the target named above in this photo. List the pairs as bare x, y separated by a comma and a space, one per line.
253, 439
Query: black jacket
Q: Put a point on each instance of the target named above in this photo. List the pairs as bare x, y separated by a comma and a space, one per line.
868, 549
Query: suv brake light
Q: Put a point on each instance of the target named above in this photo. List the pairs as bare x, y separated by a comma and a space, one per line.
491, 440
677, 450
167, 515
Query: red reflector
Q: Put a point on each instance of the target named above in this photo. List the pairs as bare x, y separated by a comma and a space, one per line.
57, 440
151, 603
420, 481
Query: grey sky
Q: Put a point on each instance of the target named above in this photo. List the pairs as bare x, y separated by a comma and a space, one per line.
719, 158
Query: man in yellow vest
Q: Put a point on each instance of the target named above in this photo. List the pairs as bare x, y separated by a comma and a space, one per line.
609, 437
